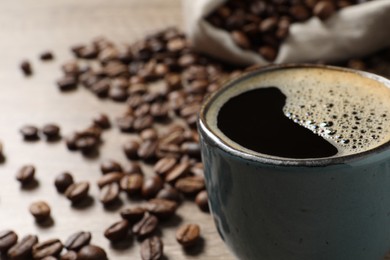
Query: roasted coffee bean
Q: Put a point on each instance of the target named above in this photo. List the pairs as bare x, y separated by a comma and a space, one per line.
86, 144
8, 238
69, 255
179, 171
191, 148
91, 252
29, 132
202, 201
51, 131
40, 210
118, 94
147, 150
71, 68
268, 52
85, 52
188, 234
324, 9
77, 191
108, 166
133, 168
102, 121
164, 165
159, 111
109, 193
77, 240
26, 174
125, 123
169, 193
46, 55
149, 134
151, 186
135, 101
23, 249
49, 258
241, 39
51, 247
109, 178
71, 140
161, 208
26, 68
176, 44
63, 181
133, 214
143, 122
168, 150
152, 248
190, 185
146, 226
116, 69
173, 81
130, 149
132, 184
117, 231
67, 83
197, 169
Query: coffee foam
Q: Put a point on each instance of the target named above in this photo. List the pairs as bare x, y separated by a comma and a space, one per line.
347, 109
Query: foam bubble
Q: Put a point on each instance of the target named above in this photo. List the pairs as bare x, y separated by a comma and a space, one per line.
349, 110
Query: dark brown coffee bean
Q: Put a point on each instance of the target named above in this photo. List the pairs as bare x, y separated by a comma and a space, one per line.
86, 144
159, 110
117, 231
135, 101
146, 226
151, 186
268, 52
130, 149
324, 9
77, 240
168, 150
71, 68
176, 45
109, 193
63, 181
26, 174
29, 132
8, 238
125, 123
202, 201
152, 248
143, 122
26, 68
149, 134
69, 255
23, 249
116, 69
147, 150
67, 83
91, 252
108, 166
241, 39
102, 121
169, 193
133, 214
132, 184
179, 171
173, 81
161, 208
299, 12
190, 185
77, 191
51, 247
99, 87
46, 55
118, 94
164, 165
187, 235
133, 168
40, 210
85, 52
71, 140
108, 178
51, 131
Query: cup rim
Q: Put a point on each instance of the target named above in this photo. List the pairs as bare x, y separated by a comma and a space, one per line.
208, 133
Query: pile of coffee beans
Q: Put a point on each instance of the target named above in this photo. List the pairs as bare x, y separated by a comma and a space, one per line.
262, 26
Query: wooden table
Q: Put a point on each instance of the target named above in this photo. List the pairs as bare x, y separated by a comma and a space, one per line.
29, 27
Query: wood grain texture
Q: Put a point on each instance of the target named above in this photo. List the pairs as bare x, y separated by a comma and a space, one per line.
29, 27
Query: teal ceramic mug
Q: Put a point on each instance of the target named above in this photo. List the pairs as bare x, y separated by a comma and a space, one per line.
271, 207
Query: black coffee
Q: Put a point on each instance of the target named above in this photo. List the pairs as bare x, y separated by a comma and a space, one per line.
302, 113
255, 120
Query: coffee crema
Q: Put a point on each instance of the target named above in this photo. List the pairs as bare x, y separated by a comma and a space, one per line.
300, 113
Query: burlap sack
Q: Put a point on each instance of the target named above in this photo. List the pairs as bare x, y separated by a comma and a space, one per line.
354, 31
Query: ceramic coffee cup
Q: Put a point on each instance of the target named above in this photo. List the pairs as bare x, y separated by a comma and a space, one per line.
275, 208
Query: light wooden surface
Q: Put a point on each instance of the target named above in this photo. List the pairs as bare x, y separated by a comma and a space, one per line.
29, 27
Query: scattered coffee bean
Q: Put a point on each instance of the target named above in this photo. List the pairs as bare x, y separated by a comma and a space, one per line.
8, 238
130, 149
161, 208
67, 83
147, 225
46, 55
109, 193
63, 181
91, 252
51, 247
179, 171
40, 210
147, 150
132, 184
78, 240
29, 132
108, 166
23, 249
77, 191
164, 165
188, 234
117, 231
133, 168
51, 131
26, 68
108, 178
26, 174
69, 255
133, 214
190, 185
151, 186
202, 201
149, 134
169, 193
152, 248
102, 121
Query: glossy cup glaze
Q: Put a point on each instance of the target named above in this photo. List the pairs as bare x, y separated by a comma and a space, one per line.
286, 209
